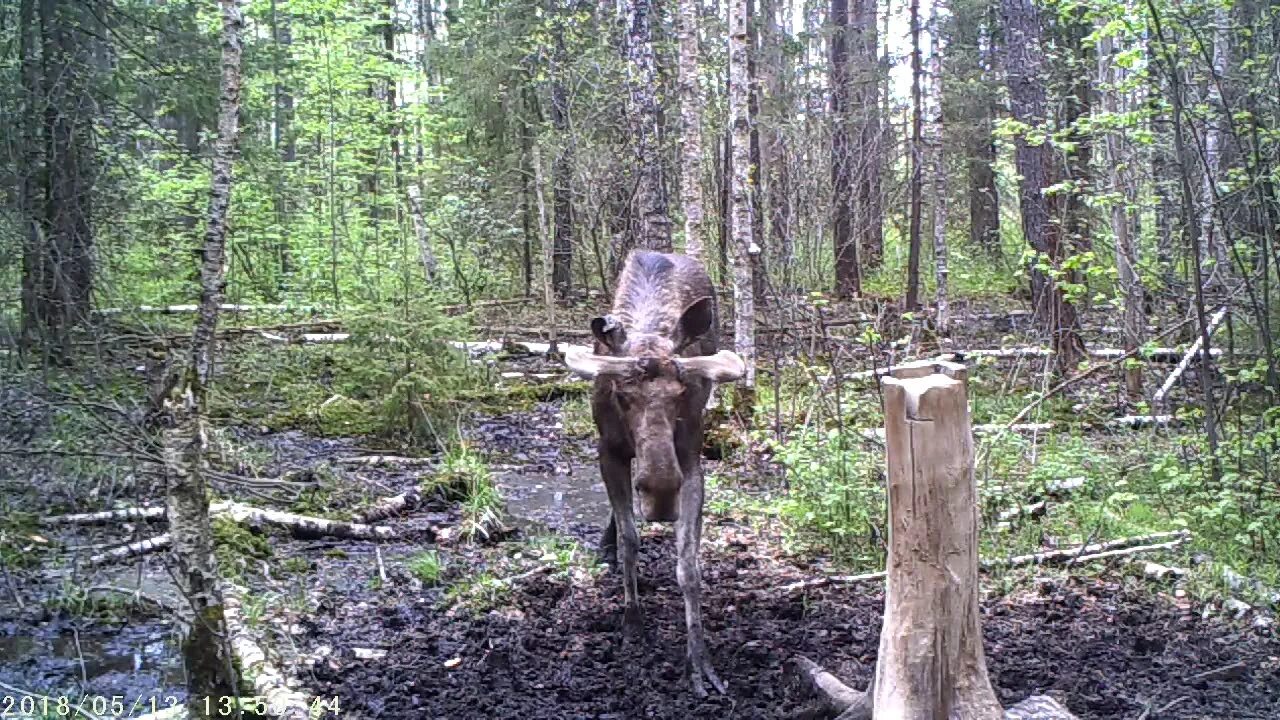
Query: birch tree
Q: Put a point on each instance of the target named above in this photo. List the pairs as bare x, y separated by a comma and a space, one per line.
1126, 250
942, 318
744, 246
205, 650
917, 161
691, 132
652, 226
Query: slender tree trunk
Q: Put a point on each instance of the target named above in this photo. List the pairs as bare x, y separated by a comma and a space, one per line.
653, 226
917, 161
848, 270
778, 69
758, 276
31, 197
205, 649
1192, 230
744, 248
940, 269
1126, 251
1214, 247
561, 173
691, 132
548, 247
1035, 163
871, 99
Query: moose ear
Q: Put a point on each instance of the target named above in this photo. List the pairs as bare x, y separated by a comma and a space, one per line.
609, 332
697, 319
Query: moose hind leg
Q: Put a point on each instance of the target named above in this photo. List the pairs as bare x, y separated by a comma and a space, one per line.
617, 481
689, 575
609, 542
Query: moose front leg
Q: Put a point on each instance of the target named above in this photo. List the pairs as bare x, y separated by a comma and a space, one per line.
688, 574
617, 482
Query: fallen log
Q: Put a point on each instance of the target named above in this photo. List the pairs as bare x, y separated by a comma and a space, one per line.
305, 526
131, 550
107, 516
1158, 400
1073, 555
389, 506
372, 460
306, 338
256, 669
192, 309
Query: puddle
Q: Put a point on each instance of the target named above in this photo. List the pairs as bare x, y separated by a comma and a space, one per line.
137, 660
561, 501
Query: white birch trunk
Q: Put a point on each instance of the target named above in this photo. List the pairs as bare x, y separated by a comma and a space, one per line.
204, 651
940, 269
691, 117
548, 251
1213, 246
1133, 322
744, 246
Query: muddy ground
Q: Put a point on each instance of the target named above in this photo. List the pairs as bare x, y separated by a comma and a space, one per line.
541, 637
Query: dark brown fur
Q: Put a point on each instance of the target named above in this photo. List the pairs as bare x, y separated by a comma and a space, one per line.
664, 306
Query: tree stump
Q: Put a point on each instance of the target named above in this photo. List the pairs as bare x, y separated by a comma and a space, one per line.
931, 664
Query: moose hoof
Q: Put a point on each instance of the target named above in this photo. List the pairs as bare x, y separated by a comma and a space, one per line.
700, 668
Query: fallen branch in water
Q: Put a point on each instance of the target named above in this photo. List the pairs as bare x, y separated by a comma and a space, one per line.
131, 550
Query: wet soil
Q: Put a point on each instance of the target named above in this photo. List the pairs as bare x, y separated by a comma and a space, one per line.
553, 648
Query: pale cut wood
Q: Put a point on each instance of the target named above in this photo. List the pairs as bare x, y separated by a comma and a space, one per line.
1158, 400
931, 662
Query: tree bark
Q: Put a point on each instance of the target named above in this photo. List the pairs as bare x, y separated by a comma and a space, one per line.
871, 78
1126, 251
743, 245
1035, 163
691, 131
848, 279
652, 225
1213, 247
940, 269
912, 302
204, 650
561, 170
931, 662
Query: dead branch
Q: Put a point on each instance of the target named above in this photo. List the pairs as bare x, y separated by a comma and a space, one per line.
802, 586
389, 506
1124, 552
1078, 554
255, 667
106, 516
192, 309
131, 550
1158, 400
372, 460
305, 526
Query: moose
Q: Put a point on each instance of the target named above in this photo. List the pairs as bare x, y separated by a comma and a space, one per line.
655, 361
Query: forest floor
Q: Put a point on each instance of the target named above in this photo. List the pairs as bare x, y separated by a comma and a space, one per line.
526, 624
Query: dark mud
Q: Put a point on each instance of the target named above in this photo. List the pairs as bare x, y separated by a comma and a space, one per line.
554, 650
